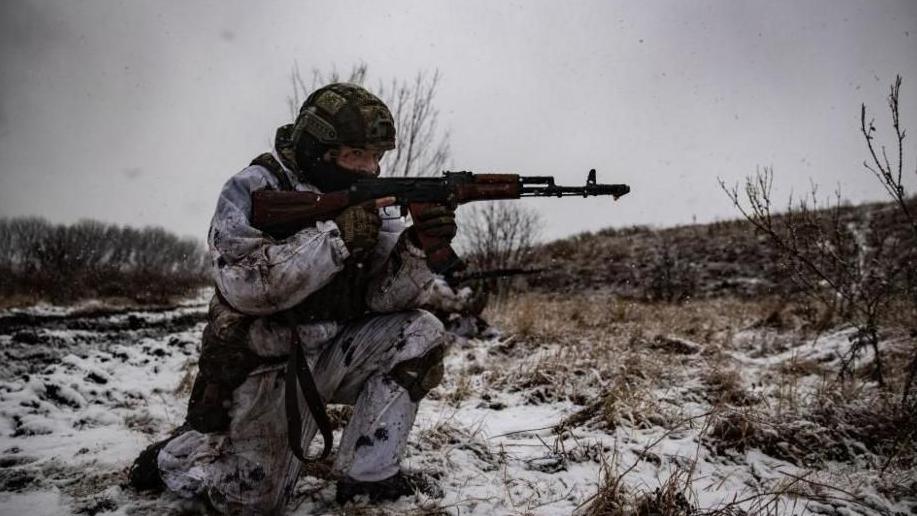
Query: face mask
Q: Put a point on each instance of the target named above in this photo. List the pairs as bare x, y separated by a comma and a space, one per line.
329, 177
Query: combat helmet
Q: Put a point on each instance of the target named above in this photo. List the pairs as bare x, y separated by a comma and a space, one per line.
341, 114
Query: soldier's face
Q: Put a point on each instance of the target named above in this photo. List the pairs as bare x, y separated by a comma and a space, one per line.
355, 159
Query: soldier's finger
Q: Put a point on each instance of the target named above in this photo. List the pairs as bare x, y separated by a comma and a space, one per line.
441, 232
436, 218
385, 201
438, 221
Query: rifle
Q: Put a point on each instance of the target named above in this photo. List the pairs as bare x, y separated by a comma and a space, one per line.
280, 214
467, 277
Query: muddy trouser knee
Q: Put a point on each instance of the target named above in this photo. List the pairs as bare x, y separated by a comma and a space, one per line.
250, 469
380, 359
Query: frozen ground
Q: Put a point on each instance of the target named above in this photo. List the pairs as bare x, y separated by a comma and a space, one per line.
522, 425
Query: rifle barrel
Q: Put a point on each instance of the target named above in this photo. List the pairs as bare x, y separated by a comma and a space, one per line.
568, 191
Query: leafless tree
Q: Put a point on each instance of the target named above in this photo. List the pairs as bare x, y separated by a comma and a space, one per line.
857, 268
890, 175
63, 263
844, 264
423, 147
301, 89
498, 235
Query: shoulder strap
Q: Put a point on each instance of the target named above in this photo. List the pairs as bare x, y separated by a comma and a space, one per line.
268, 161
298, 372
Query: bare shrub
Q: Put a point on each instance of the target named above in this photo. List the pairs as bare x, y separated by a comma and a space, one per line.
889, 174
499, 236
669, 277
856, 269
848, 266
88, 259
826, 429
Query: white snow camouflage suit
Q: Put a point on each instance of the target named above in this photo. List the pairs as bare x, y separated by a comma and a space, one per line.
248, 466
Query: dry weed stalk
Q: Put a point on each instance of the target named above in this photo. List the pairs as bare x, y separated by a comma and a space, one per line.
189, 370
789, 493
461, 391
614, 498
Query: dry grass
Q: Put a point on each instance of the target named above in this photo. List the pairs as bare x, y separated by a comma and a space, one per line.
673, 497
725, 385
461, 391
624, 362
189, 372
18, 300
564, 317
608, 354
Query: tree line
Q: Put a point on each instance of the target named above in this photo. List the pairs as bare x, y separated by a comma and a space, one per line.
60, 263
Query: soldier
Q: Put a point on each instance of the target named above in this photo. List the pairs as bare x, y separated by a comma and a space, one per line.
338, 299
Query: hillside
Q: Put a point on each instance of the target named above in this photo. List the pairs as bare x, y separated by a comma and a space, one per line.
725, 258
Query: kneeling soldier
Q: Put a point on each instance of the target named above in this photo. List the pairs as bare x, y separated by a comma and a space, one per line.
329, 314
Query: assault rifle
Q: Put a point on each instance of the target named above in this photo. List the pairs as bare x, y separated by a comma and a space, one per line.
468, 277
280, 214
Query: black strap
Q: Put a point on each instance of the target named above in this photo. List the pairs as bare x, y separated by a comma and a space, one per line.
268, 161
298, 369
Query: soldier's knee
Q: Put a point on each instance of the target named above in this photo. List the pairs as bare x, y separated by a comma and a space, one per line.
426, 324
419, 375
421, 366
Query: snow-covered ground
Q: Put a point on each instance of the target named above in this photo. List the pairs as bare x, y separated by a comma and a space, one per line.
531, 425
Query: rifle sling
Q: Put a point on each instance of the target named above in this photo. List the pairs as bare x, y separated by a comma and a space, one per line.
298, 369
268, 161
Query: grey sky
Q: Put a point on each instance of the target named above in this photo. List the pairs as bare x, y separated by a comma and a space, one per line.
137, 112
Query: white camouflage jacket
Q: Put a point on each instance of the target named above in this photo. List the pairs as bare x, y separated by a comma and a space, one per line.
260, 276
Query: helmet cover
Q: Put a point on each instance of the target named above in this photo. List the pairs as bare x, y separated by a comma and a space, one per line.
345, 114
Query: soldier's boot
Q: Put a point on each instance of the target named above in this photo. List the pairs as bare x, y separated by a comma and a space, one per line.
390, 489
144, 472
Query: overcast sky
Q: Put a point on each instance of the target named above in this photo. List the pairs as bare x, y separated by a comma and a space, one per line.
137, 112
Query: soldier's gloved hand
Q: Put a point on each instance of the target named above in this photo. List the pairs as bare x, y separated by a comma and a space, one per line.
359, 226
433, 224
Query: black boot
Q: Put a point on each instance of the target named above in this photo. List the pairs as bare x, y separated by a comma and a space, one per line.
392, 488
144, 472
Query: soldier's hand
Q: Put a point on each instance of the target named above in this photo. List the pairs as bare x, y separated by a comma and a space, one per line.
435, 223
359, 226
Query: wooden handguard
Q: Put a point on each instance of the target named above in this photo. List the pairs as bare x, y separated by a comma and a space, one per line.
489, 186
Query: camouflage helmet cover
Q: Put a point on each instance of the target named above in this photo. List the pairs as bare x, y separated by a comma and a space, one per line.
346, 114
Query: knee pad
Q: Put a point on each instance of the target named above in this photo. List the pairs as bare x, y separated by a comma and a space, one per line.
421, 374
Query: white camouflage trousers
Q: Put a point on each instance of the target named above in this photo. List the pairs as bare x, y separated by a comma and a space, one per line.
251, 469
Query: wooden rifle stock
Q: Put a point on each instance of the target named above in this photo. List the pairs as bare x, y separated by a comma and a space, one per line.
280, 214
